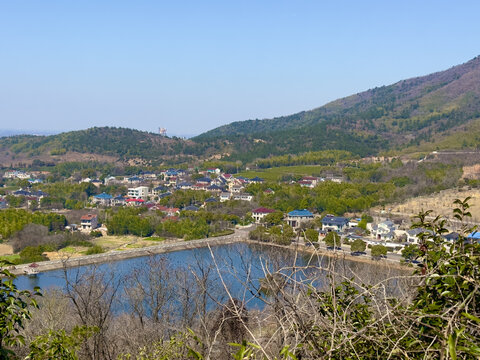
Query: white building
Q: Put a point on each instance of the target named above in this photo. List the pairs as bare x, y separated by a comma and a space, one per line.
384, 231
225, 196
243, 197
88, 222
260, 213
140, 192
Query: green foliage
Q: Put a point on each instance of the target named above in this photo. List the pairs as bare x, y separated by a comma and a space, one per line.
448, 301
423, 109
259, 234
367, 218
127, 221
70, 196
15, 201
118, 142
378, 251
325, 157
401, 181
177, 347
325, 197
332, 239
57, 344
272, 219
32, 254
363, 224
182, 198
358, 245
58, 151
13, 220
282, 234
95, 249
15, 307
411, 252
246, 350
185, 228
95, 233
311, 235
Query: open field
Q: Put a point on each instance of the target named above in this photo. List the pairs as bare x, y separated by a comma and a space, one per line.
5, 249
108, 243
276, 173
441, 203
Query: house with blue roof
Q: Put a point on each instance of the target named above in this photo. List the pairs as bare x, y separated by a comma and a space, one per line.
190, 208
334, 223
170, 173
204, 180
134, 180
296, 217
256, 180
118, 201
21, 192
103, 199
158, 190
215, 188
184, 185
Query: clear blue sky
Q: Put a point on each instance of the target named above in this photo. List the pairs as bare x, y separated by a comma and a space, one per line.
190, 66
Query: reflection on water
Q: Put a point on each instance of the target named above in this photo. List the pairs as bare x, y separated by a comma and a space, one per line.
238, 266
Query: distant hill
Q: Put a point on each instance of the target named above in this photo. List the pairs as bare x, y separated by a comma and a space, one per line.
441, 109
108, 144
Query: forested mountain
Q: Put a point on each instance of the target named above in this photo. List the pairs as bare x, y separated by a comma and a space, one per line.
111, 143
427, 109
440, 110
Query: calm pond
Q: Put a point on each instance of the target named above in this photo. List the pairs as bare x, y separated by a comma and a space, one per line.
236, 267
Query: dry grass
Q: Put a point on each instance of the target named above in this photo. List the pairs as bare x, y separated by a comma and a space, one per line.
6, 249
108, 243
120, 242
441, 203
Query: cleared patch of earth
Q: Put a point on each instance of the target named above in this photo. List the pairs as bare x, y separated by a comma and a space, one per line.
5, 249
441, 203
108, 243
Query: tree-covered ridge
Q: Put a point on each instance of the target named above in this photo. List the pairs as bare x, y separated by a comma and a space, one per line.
395, 116
121, 143
425, 110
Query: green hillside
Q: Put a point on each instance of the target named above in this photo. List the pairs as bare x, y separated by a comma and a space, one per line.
119, 143
407, 114
437, 111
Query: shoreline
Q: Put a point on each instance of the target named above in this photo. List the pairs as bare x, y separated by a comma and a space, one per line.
336, 255
118, 255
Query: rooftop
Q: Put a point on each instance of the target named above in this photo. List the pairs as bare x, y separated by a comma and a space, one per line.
335, 220
103, 196
263, 210
302, 213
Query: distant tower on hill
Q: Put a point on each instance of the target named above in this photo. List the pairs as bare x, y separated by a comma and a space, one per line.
162, 131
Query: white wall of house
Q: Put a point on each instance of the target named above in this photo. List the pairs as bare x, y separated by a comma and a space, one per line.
140, 192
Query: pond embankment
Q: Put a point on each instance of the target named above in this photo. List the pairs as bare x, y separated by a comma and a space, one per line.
117, 255
239, 236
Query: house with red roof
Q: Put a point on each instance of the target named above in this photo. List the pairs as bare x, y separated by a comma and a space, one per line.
134, 202
88, 222
306, 183
167, 210
259, 213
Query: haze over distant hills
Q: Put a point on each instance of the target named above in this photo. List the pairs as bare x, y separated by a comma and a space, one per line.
13, 132
440, 110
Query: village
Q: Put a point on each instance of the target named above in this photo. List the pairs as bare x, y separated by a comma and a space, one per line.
150, 191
